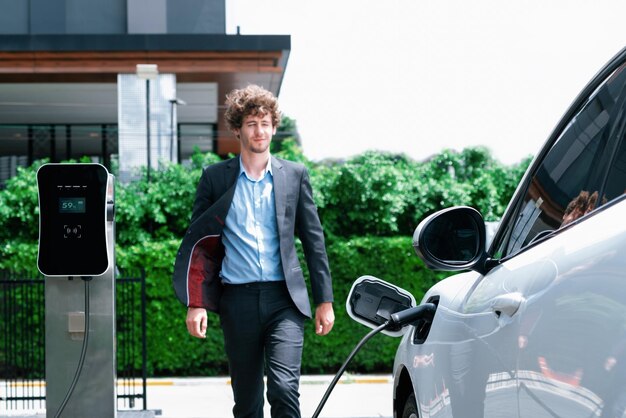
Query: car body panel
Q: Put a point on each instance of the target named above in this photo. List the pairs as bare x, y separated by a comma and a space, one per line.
575, 326
556, 349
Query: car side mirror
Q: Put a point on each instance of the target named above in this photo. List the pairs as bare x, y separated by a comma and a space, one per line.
373, 301
452, 239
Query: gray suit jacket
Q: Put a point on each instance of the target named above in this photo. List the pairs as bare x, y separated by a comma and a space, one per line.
198, 262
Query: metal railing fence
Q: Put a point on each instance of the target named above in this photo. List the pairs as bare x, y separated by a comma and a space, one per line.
22, 341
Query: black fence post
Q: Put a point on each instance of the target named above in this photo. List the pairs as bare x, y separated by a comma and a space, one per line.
144, 347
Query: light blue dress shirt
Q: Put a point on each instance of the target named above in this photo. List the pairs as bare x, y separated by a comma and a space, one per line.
250, 233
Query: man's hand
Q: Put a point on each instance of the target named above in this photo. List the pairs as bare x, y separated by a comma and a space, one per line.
324, 318
197, 322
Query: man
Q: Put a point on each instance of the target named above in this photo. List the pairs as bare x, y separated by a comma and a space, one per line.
239, 259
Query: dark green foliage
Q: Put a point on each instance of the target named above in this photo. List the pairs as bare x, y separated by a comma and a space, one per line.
287, 129
21, 307
365, 196
19, 207
289, 149
369, 207
286, 143
384, 194
160, 209
19, 256
172, 352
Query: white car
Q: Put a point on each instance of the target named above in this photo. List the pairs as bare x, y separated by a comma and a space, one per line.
535, 326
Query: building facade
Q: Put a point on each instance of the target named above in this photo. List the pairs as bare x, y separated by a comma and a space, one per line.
123, 82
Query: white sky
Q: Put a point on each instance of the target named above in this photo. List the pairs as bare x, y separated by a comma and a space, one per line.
418, 76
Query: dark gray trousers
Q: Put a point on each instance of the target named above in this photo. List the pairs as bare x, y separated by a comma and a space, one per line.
263, 332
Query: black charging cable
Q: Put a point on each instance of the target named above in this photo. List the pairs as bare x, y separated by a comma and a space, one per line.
398, 319
81, 360
345, 364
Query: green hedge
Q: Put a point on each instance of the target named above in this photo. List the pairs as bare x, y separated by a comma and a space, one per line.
172, 352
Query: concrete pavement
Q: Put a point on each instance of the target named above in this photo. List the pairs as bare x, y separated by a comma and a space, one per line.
354, 396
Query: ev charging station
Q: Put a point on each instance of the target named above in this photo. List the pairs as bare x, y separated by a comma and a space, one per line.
77, 257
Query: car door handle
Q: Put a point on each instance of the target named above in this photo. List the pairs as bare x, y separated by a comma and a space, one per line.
507, 304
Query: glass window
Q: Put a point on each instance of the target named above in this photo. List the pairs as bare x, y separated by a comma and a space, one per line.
13, 151
41, 141
13, 140
616, 180
568, 181
86, 141
194, 137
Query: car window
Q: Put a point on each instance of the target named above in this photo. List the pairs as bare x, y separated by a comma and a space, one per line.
569, 180
616, 180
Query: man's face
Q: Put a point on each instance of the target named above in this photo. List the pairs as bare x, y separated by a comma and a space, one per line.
256, 133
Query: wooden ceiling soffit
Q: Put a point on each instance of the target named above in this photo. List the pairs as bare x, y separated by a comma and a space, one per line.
125, 62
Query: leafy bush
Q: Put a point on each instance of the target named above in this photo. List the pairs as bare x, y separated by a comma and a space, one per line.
19, 206
384, 194
366, 196
160, 209
171, 351
375, 194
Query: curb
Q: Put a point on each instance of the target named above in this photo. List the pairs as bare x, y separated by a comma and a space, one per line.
304, 380
202, 381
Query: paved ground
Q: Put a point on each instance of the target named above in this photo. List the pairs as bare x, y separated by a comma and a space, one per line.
355, 396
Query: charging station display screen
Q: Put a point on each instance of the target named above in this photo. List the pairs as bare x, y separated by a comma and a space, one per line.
72, 219
72, 205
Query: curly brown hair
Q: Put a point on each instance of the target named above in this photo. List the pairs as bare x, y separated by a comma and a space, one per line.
252, 100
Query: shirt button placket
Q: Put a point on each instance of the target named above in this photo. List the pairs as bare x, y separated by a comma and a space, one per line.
257, 229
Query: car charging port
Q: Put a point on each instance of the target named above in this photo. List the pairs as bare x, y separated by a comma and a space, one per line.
422, 325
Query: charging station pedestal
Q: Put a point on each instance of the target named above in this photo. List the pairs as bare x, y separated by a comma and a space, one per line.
77, 258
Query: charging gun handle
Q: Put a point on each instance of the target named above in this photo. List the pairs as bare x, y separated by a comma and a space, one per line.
407, 316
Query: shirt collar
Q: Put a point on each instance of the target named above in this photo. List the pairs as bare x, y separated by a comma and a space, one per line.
268, 168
